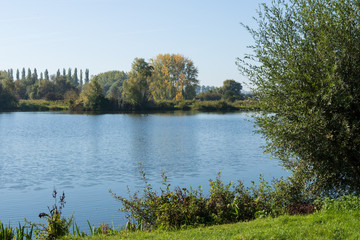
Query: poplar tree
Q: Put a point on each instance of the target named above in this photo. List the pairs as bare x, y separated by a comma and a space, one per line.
75, 77
23, 73
87, 80
46, 73
35, 75
17, 74
11, 74
69, 77
58, 74
81, 77
29, 74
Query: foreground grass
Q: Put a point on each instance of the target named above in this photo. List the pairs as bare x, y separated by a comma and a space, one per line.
320, 225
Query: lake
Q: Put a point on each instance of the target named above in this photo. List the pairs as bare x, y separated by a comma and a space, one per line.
86, 155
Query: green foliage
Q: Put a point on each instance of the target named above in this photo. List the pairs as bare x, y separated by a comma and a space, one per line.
330, 225
305, 68
103, 229
213, 106
111, 81
343, 204
92, 97
6, 232
136, 88
57, 226
231, 90
19, 233
184, 105
8, 100
225, 204
42, 105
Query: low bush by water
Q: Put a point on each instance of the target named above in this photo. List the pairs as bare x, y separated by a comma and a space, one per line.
227, 203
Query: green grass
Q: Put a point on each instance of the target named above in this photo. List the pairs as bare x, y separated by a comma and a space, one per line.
320, 225
43, 105
225, 106
201, 106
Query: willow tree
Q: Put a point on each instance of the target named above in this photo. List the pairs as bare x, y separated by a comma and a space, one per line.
305, 67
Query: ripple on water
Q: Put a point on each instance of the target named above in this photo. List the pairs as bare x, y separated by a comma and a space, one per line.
86, 155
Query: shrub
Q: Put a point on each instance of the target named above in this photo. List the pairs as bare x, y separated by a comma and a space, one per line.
341, 204
184, 105
225, 204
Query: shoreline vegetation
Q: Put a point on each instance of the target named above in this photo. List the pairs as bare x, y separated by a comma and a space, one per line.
276, 210
162, 106
165, 83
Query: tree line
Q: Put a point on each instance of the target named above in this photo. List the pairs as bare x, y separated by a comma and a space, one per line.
167, 77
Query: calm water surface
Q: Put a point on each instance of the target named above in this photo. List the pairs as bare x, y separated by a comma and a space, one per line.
86, 155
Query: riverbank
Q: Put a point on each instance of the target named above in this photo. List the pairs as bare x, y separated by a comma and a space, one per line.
164, 106
319, 225
338, 219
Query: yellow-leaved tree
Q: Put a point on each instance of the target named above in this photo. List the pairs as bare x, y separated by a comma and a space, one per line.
174, 77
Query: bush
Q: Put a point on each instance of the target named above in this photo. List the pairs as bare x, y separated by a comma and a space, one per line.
226, 203
184, 105
341, 204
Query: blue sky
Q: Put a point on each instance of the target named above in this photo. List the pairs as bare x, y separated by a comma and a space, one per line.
105, 35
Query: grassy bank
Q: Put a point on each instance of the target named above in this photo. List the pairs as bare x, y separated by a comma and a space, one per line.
319, 225
163, 106
42, 105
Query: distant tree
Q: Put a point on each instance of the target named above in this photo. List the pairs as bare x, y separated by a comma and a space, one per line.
81, 78
62, 85
92, 96
64, 72
44, 88
23, 75
17, 74
3, 75
136, 88
35, 75
29, 76
7, 94
231, 90
58, 73
107, 79
75, 77
174, 77
69, 76
11, 74
41, 75
115, 91
46, 73
87, 79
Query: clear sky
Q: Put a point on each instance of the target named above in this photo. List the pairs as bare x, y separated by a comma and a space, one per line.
105, 35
